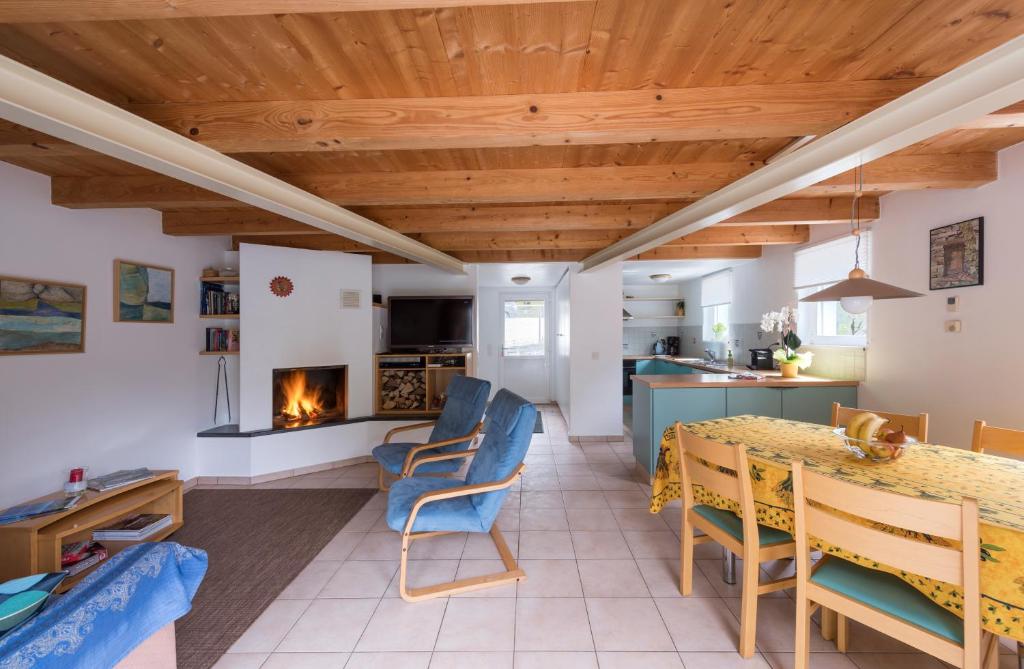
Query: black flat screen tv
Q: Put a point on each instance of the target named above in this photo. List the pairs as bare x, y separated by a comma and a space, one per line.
430, 323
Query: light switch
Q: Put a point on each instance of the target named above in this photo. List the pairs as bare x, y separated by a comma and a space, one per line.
952, 326
953, 303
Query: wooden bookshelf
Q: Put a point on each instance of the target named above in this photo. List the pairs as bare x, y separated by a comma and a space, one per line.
433, 371
33, 546
221, 280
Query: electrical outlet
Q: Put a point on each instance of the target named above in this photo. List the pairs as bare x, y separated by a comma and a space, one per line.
953, 303
952, 326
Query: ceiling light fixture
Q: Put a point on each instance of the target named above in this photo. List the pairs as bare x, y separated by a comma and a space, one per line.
521, 280
858, 292
660, 278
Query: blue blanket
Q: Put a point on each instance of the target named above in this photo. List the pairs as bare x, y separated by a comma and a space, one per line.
114, 609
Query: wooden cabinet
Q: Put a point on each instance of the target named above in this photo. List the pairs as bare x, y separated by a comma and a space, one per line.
754, 401
415, 383
814, 404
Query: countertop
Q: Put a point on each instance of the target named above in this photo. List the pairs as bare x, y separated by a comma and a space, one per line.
718, 376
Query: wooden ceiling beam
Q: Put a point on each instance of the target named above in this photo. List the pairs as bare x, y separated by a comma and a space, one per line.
755, 235
554, 119
58, 11
699, 253
513, 218
657, 182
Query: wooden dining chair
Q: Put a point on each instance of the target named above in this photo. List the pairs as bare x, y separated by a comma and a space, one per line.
701, 462
880, 599
915, 426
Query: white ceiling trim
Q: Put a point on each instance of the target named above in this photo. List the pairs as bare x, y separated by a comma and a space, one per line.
40, 102
990, 82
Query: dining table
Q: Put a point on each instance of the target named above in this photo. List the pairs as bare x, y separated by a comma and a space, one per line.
926, 471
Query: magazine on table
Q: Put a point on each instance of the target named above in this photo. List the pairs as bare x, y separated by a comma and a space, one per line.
133, 528
25, 511
120, 478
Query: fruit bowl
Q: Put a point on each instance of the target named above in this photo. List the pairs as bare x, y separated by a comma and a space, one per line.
875, 450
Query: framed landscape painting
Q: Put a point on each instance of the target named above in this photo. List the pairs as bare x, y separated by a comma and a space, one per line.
143, 293
39, 316
956, 255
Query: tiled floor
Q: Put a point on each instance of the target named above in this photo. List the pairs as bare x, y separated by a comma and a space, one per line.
601, 588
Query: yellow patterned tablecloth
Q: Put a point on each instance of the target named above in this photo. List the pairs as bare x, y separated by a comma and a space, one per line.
925, 470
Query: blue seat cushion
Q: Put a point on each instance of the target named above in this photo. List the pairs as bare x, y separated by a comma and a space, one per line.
733, 525
447, 515
889, 594
392, 458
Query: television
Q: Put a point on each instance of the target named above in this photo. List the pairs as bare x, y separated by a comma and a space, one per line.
430, 323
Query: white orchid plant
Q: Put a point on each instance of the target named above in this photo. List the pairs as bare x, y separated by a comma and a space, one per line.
783, 321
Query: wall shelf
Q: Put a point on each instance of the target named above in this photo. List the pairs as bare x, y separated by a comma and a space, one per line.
426, 372
219, 317
218, 353
219, 279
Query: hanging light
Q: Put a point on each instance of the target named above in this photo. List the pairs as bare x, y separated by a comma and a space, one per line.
858, 292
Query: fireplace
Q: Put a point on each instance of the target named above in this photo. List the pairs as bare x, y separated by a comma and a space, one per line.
306, 396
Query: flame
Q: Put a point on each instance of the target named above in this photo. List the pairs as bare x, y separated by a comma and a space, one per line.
300, 403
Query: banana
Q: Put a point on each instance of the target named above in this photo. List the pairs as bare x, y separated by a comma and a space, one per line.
867, 432
856, 423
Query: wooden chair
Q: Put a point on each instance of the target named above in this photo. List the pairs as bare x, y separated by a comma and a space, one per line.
700, 460
424, 507
915, 426
1006, 442
879, 599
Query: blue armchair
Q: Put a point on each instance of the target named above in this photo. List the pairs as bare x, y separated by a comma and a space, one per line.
454, 431
425, 507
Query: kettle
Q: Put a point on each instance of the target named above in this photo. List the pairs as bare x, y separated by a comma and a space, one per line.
660, 348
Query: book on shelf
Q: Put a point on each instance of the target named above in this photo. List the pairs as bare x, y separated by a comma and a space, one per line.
221, 339
216, 301
81, 555
133, 528
121, 477
93, 559
33, 509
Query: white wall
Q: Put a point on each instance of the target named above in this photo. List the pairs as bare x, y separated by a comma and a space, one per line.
308, 328
140, 392
563, 347
421, 280
595, 352
913, 365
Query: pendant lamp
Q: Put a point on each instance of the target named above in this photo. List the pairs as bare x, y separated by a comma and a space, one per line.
858, 292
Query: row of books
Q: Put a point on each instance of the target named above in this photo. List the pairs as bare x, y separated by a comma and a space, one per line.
81, 555
221, 339
215, 301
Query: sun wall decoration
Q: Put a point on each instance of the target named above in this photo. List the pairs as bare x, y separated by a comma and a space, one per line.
281, 286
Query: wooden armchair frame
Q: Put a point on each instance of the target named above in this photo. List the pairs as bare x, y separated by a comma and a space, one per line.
512, 573
915, 426
412, 462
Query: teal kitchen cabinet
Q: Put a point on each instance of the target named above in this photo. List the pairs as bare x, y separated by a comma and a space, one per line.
814, 404
656, 409
754, 402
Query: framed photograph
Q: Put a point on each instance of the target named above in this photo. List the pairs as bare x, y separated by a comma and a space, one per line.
143, 293
957, 255
41, 316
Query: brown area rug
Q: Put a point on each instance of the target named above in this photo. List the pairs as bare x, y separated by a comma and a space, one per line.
257, 541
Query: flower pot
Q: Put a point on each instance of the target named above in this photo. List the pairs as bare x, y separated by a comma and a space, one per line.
789, 370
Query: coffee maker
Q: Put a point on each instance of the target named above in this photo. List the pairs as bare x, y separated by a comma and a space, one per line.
761, 358
672, 346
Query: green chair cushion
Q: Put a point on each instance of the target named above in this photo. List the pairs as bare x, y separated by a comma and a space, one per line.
890, 594
733, 524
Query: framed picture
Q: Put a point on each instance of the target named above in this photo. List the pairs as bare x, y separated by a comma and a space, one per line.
40, 316
957, 255
143, 293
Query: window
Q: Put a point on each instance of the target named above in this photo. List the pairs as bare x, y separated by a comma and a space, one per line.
525, 326
817, 268
715, 298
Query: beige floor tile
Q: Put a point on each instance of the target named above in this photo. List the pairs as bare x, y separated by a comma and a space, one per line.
360, 579
329, 626
632, 624
478, 625
241, 661
639, 660
584, 499
776, 625
662, 578
652, 544
569, 456
270, 627
573, 469
306, 661
600, 546
423, 573
508, 520
700, 624
310, 580
389, 660
541, 482
627, 499
364, 519
607, 482
640, 520
712, 569
542, 519
444, 547
585, 482
552, 624
555, 660
481, 546
471, 660
542, 499
545, 545
612, 578
378, 546
401, 626
340, 546
591, 520
550, 578
471, 568
726, 660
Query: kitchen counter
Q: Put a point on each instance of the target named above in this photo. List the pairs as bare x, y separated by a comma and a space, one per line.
717, 376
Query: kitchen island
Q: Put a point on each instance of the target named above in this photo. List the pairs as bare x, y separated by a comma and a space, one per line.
698, 391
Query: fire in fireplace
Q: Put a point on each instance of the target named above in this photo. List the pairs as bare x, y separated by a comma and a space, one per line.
309, 396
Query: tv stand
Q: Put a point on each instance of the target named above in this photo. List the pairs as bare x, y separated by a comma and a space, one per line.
414, 383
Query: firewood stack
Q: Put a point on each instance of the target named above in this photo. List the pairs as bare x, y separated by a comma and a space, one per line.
401, 389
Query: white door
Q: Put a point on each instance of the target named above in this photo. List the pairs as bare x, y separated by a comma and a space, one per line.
526, 345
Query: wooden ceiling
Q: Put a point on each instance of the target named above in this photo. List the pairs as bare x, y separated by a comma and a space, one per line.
504, 130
